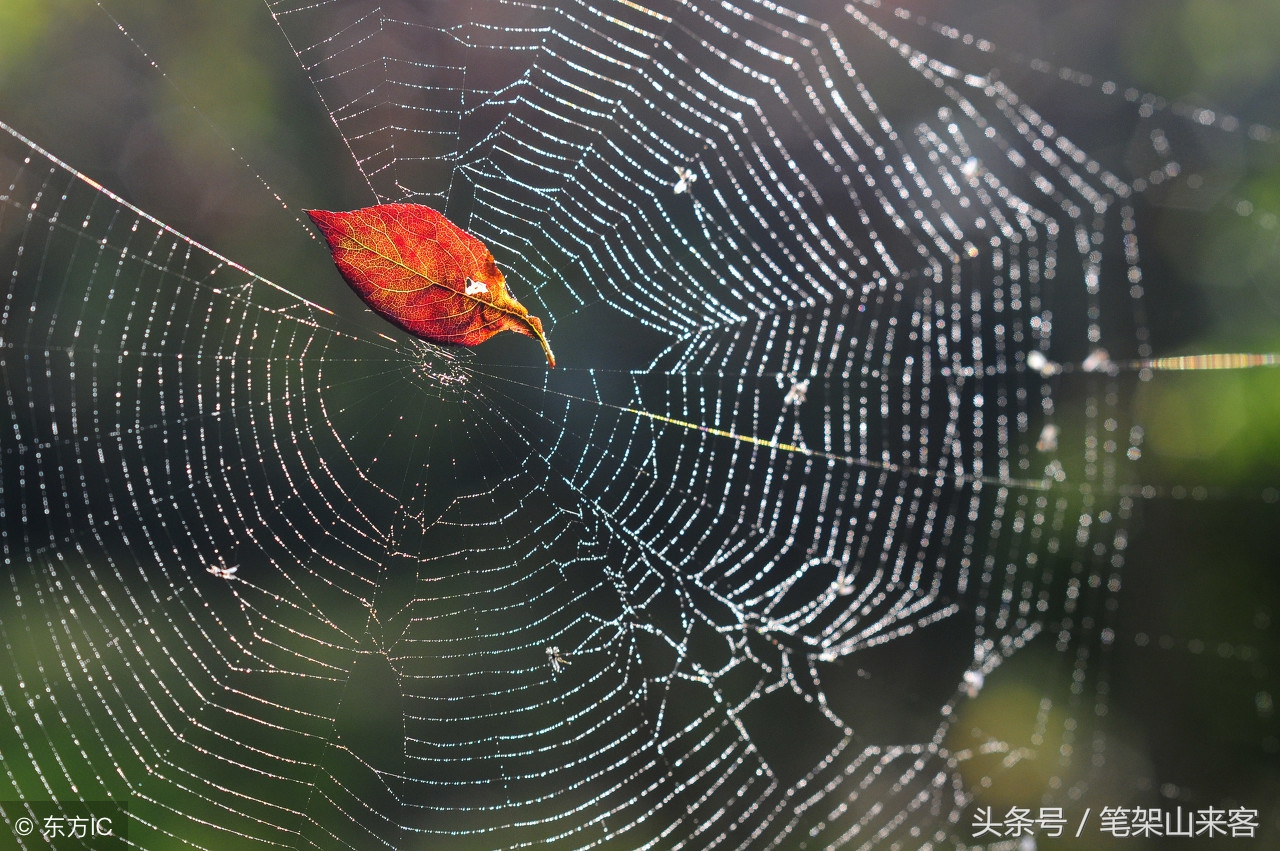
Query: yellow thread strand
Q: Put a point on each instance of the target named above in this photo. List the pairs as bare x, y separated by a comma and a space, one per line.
744, 438
1222, 361
888, 466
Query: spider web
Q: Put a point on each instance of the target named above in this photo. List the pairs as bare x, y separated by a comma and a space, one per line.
815, 537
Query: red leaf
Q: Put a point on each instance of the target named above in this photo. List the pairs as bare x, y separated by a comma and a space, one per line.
424, 273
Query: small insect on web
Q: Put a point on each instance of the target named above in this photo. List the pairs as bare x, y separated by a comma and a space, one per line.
221, 569
223, 572
797, 393
686, 178
422, 272
559, 661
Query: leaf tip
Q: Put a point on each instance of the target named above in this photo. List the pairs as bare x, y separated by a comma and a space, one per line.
536, 325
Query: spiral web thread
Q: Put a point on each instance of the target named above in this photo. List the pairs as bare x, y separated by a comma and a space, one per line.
847, 332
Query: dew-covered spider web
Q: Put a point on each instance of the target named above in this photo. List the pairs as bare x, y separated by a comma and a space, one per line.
818, 536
